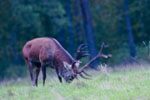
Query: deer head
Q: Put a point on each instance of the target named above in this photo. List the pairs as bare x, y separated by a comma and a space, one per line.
73, 70
68, 73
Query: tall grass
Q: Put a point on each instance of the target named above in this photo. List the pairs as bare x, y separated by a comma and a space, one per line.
127, 83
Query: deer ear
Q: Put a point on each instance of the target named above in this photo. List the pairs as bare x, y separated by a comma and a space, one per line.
66, 65
78, 63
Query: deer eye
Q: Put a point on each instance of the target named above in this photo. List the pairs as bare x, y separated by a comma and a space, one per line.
71, 77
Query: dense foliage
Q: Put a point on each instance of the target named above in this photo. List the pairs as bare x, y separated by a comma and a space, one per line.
23, 20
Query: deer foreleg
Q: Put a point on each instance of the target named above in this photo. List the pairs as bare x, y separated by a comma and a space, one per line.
44, 73
59, 77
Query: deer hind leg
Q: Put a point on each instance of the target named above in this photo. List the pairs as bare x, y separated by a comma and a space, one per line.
30, 68
37, 71
46, 61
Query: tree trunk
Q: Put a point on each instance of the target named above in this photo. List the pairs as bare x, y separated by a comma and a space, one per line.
70, 31
62, 37
77, 22
129, 29
88, 30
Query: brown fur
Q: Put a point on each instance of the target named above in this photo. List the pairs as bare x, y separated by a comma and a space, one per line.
43, 52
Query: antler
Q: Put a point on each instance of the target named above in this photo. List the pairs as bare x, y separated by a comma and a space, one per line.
81, 51
99, 55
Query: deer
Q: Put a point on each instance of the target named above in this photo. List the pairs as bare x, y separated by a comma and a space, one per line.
43, 52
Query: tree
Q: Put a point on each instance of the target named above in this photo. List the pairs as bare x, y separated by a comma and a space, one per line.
129, 29
77, 22
89, 30
70, 30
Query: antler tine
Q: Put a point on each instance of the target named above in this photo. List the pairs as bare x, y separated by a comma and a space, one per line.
81, 51
86, 73
86, 65
101, 49
83, 76
82, 47
106, 56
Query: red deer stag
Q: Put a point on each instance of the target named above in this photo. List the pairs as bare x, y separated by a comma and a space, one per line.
43, 52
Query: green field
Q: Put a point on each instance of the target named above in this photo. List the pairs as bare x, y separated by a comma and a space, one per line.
121, 84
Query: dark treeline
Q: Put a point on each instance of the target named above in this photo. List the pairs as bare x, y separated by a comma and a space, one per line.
122, 24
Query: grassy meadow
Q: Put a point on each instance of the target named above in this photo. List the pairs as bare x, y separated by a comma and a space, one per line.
118, 84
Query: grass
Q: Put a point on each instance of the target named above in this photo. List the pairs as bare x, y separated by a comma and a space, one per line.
122, 84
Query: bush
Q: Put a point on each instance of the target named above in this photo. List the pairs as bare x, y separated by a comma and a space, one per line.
15, 72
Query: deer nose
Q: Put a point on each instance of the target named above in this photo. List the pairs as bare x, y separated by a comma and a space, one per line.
71, 78
75, 75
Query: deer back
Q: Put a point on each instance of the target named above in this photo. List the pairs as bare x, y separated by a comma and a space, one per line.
45, 50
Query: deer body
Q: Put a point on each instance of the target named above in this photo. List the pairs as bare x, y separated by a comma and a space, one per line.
45, 52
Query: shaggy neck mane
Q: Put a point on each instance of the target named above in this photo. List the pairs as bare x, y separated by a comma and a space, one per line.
69, 57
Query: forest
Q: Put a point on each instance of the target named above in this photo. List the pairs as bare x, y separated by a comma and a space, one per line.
123, 25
